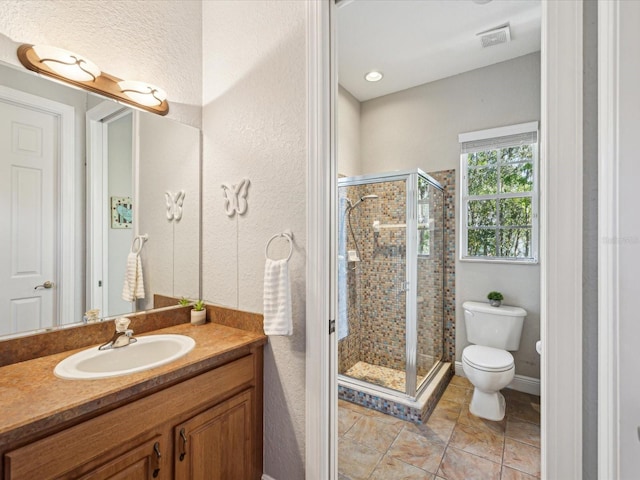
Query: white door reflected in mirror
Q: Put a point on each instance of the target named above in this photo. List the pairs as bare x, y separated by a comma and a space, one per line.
28, 241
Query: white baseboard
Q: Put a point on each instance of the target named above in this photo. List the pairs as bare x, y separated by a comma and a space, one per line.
267, 477
520, 382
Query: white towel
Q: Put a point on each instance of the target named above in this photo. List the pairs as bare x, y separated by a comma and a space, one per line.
133, 282
277, 298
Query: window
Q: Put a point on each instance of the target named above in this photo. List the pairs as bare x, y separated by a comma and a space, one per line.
499, 199
424, 219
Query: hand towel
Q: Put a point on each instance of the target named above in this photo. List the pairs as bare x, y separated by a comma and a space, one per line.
277, 298
133, 281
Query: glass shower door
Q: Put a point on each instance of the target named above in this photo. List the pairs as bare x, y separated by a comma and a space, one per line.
372, 283
430, 278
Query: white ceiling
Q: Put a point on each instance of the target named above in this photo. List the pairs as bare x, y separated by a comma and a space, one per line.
413, 42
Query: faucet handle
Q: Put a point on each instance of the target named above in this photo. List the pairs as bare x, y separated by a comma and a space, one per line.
122, 324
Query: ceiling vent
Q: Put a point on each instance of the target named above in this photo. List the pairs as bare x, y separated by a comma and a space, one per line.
495, 36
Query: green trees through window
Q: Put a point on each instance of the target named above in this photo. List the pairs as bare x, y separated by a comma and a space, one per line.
498, 200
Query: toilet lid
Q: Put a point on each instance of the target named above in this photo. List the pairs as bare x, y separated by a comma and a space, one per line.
487, 358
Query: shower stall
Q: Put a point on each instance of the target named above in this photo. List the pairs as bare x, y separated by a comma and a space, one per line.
391, 292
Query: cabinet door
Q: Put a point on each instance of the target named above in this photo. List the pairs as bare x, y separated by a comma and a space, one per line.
218, 443
137, 461
141, 463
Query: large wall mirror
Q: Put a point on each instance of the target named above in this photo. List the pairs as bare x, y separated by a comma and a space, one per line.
85, 181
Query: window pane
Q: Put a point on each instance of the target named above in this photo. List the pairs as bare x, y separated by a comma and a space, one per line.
481, 243
515, 211
423, 190
477, 159
483, 180
522, 153
516, 177
482, 213
424, 241
515, 242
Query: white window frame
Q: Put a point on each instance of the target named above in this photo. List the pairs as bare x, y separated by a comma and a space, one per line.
522, 128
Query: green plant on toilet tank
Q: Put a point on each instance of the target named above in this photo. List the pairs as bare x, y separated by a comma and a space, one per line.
495, 298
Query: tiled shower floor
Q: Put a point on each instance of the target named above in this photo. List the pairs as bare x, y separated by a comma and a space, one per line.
452, 445
377, 375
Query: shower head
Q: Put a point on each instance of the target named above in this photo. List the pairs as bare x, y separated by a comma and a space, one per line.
362, 199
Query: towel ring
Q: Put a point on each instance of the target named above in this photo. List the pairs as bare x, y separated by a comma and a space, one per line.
141, 239
288, 236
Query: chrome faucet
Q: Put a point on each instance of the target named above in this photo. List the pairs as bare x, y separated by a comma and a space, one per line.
122, 337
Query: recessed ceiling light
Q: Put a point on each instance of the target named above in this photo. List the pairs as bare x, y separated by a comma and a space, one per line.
373, 76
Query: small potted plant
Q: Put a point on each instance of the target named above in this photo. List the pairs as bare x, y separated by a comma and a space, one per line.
495, 298
184, 302
198, 314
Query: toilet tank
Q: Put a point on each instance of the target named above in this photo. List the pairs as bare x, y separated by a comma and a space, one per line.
497, 327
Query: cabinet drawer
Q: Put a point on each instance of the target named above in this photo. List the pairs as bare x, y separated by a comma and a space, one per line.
104, 438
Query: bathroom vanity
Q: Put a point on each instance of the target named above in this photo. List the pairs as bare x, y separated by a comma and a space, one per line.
199, 417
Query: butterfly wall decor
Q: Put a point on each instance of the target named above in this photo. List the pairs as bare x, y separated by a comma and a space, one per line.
174, 204
235, 197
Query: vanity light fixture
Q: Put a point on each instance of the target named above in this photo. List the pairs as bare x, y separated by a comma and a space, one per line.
76, 70
373, 76
143, 93
67, 64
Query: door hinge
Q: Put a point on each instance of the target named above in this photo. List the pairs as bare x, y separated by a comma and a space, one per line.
332, 326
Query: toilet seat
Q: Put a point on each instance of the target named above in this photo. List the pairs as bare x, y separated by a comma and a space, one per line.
487, 359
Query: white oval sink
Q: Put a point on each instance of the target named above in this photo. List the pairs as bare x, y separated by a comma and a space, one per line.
148, 352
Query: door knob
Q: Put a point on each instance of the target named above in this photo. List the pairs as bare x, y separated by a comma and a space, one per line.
46, 284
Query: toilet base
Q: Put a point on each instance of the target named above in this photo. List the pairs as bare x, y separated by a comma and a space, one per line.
487, 405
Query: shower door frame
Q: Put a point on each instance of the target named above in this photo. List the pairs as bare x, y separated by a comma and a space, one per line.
410, 177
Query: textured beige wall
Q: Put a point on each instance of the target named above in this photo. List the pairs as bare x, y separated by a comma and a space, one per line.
419, 127
348, 133
155, 41
254, 126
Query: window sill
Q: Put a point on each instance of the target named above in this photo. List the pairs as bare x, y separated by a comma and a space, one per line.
499, 260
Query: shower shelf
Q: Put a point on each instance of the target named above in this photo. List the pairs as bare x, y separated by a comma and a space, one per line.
379, 226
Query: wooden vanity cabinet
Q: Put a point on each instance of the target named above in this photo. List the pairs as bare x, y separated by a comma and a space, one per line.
207, 427
217, 444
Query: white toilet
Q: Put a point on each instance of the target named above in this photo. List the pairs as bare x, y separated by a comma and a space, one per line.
487, 364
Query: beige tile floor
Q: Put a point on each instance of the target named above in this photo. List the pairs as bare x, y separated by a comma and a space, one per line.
452, 445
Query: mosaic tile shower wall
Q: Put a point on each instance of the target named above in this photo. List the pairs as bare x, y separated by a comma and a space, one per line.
447, 178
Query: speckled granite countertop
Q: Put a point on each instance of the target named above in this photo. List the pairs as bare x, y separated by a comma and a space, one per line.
33, 399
